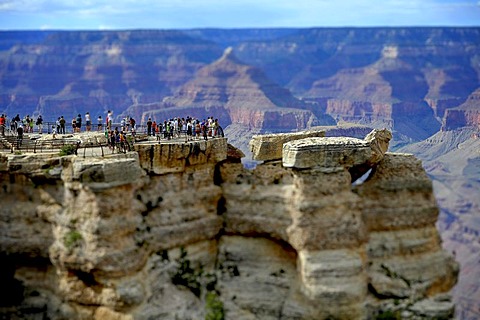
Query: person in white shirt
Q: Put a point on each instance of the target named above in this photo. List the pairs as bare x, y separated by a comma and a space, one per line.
88, 121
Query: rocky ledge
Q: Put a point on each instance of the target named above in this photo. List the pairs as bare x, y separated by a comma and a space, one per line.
184, 231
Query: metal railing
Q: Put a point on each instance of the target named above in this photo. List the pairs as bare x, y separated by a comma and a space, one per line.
14, 143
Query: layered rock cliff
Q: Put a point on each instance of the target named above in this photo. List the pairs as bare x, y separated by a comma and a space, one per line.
404, 78
70, 72
452, 160
182, 230
235, 93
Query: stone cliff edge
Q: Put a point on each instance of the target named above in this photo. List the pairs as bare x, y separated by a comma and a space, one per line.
324, 228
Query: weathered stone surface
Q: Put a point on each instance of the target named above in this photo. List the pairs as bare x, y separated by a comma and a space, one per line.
104, 173
165, 158
335, 277
269, 146
104, 313
258, 200
378, 141
332, 152
180, 208
404, 248
174, 301
234, 153
433, 309
26, 212
328, 153
259, 276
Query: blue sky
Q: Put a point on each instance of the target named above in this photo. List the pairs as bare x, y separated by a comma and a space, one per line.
183, 14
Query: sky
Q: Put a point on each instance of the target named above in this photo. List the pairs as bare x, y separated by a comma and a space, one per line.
187, 14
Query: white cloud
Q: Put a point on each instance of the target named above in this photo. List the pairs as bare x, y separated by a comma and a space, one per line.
108, 14
7, 5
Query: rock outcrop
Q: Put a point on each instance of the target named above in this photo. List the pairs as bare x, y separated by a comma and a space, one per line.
465, 115
268, 147
183, 230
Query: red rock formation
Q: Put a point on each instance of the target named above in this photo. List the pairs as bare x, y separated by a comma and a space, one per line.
246, 94
466, 115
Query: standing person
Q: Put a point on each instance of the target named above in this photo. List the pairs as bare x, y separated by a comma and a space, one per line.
183, 127
14, 123
74, 125
197, 129
157, 131
210, 126
132, 123
122, 124
88, 122
99, 123
31, 125
79, 123
39, 123
133, 130
3, 120
62, 125
112, 141
154, 127
57, 124
149, 127
170, 129
109, 119
19, 135
215, 128
26, 124
204, 127
189, 130
127, 123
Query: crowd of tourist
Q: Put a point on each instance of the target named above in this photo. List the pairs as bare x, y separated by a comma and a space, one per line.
193, 128
189, 127
27, 124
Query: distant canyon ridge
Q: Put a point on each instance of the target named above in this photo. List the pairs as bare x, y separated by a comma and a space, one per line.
406, 79
423, 84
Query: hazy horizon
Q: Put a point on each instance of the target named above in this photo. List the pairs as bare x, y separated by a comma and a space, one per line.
193, 14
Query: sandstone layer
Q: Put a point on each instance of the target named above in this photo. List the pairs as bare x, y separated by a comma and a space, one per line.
184, 231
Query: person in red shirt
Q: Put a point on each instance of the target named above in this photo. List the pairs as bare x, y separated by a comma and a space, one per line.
154, 127
2, 124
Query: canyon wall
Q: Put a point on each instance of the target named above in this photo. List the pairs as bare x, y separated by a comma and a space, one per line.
184, 230
405, 78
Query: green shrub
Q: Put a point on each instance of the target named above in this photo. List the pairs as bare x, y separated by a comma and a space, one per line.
68, 149
71, 238
389, 315
197, 280
214, 307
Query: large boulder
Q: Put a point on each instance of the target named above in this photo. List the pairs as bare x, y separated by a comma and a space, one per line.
269, 146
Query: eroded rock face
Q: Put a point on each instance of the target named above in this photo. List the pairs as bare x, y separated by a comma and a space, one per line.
466, 114
185, 231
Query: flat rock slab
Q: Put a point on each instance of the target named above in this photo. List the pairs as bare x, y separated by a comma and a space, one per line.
329, 152
268, 147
